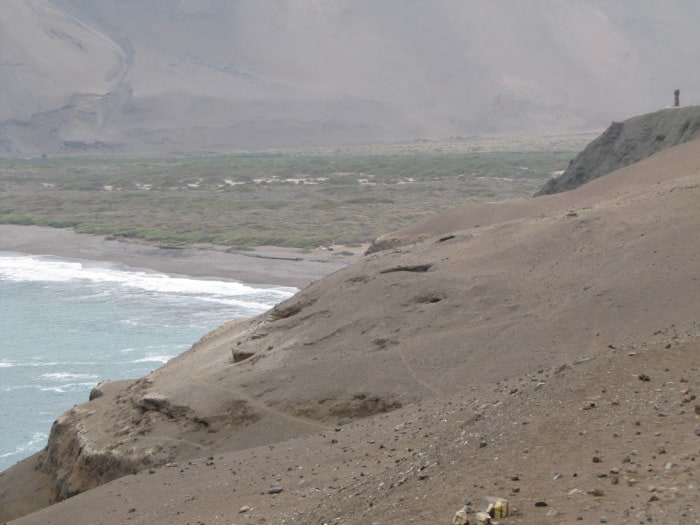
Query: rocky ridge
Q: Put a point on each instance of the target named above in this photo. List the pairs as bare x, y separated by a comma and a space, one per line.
625, 143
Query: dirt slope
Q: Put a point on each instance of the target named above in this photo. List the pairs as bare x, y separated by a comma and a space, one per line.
471, 308
588, 438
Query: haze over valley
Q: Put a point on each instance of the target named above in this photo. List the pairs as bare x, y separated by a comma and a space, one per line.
174, 76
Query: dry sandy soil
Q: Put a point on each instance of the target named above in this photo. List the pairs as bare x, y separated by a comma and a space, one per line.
543, 350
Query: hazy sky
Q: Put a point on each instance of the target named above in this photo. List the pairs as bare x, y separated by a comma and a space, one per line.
273, 72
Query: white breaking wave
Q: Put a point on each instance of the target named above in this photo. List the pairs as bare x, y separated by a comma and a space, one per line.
37, 438
67, 388
8, 364
153, 359
60, 376
30, 268
70, 323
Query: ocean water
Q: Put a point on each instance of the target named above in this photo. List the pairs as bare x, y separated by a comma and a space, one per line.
66, 324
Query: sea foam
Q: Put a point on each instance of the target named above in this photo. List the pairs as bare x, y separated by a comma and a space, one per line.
66, 325
33, 268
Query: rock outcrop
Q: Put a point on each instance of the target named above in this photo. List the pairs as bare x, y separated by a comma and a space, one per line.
625, 143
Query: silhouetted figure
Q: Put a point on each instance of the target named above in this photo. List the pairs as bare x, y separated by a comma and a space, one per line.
676, 98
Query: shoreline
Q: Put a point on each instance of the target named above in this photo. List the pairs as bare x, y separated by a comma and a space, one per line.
266, 265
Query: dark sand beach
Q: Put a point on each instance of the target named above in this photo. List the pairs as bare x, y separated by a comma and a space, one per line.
264, 265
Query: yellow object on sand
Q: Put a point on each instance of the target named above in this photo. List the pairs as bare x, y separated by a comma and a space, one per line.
483, 518
496, 507
461, 517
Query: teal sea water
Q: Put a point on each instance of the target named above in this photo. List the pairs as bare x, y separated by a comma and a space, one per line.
66, 324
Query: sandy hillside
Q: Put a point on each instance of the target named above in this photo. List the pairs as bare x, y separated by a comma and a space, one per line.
544, 350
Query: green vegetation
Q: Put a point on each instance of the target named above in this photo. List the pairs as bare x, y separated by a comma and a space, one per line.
296, 198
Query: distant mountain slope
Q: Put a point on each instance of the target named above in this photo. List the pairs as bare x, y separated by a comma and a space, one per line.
625, 143
180, 75
56, 75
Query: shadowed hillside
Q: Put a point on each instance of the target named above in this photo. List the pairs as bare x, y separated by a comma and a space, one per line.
110, 76
625, 143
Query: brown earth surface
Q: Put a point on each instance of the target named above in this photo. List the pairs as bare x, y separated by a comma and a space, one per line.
542, 350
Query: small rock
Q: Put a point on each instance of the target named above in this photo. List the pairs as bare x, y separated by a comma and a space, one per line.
557, 477
697, 431
275, 490
632, 482
596, 459
598, 493
603, 519
244, 508
551, 513
644, 377
540, 504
